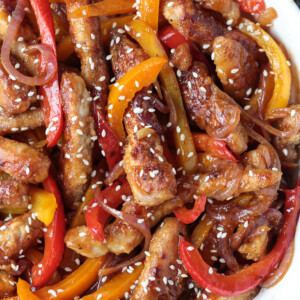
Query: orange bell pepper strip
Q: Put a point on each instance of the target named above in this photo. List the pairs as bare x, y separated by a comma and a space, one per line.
24, 292
117, 22
201, 231
122, 92
117, 286
43, 204
217, 148
282, 73
104, 8
183, 139
65, 48
76, 283
149, 12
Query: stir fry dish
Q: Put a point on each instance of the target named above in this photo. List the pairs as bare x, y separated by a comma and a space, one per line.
148, 150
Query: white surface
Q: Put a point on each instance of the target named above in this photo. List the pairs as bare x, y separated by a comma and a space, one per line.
287, 30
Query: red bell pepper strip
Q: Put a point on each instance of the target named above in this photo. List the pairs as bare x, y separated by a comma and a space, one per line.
51, 102
251, 6
217, 148
172, 38
54, 239
96, 216
107, 139
188, 216
250, 277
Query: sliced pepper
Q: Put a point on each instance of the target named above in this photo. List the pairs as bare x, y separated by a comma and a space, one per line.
217, 148
104, 8
54, 239
65, 48
107, 139
188, 216
148, 40
76, 283
43, 204
96, 216
51, 102
117, 286
201, 231
250, 277
122, 92
251, 6
282, 73
24, 292
149, 12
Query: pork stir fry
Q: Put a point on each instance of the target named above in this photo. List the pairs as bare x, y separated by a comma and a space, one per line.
146, 150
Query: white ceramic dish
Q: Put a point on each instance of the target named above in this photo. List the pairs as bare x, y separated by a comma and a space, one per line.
286, 29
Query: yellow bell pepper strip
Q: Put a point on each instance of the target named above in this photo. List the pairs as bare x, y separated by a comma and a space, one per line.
282, 73
107, 25
24, 292
183, 139
201, 231
104, 8
122, 92
76, 283
43, 204
65, 48
149, 12
116, 287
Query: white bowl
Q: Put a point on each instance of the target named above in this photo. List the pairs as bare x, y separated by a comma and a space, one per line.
286, 30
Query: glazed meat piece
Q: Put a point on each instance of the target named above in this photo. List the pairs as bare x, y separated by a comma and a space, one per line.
88, 47
19, 233
259, 158
30, 119
80, 240
76, 160
13, 194
245, 296
8, 284
210, 109
150, 176
23, 162
181, 58
164, 254
15, 97
125, 53
123, 238
236, 67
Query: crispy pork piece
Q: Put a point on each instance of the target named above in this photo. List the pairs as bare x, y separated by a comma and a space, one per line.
162, 263
81, 241
15, 97
212, 112
8, 284
236, 67
76, 160
259, 158
19, 233
149, 174
13, 194
181, 58
23, 162
30, 119
88, 47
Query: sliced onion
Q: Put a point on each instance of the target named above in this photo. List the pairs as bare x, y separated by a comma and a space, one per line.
133, 221
173, 113
48, 58
116, 172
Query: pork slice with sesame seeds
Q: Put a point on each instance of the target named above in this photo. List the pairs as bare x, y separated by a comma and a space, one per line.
23, 162
18, 233
13, 194
162, 263
30, 119
149, 174
76, 158
210, 109
87, 44
15, 97
236, 67
8, 284
80, 240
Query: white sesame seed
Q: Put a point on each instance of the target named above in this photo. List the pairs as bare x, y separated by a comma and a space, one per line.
234, 71
210, 271
293, 112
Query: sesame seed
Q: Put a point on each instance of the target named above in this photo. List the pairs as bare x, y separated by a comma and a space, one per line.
246, 224
247, 107
205, 46
250, 173
285, 152
190, 248
170, 4
210, 271
293, 112
234, 71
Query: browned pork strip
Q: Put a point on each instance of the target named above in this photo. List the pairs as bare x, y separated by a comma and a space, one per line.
162, 264
8, 284
13, 194
18, 234
30, 119
23, 162
76, 161
150, 176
